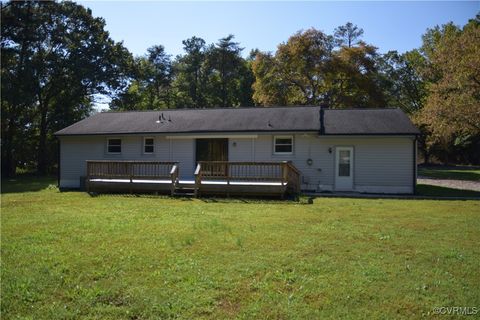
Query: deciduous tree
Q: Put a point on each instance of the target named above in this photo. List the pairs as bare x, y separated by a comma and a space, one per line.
64, 58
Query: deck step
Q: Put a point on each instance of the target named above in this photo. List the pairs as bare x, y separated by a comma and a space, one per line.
185, 186
186, 191
184, 194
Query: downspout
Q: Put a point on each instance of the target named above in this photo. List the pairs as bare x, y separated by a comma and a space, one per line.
320, 133
58, 161
322, 121
414, 165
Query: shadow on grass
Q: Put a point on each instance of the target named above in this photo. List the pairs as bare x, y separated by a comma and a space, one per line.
254, 200
28, 183
211, 199
437, 191
133, 195
450, 173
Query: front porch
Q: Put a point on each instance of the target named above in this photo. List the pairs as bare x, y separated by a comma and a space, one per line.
210, 178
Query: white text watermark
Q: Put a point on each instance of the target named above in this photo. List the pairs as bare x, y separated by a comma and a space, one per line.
457, 311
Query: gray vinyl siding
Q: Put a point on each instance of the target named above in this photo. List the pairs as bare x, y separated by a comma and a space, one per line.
183, 152
388, 162
241, 149
73, 153
381, 164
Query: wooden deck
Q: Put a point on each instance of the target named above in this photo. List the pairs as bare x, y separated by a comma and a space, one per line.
211, 178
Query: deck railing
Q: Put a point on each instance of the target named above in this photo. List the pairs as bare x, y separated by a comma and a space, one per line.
293, 178
283, 175
147, 170
283, 172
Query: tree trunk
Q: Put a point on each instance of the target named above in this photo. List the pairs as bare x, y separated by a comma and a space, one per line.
8, 161
426, 156
42, 143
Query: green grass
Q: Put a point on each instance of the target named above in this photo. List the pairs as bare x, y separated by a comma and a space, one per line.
28, 182
66, 255
438, 191
450, 173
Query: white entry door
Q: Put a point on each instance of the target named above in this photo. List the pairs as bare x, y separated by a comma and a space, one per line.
344, 168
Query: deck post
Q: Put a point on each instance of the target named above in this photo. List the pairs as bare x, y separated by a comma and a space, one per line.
87, 179
198, 179
284, 172
130, 170
174, 178
227, 171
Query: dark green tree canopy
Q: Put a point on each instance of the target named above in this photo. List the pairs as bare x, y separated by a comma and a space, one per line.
57, 57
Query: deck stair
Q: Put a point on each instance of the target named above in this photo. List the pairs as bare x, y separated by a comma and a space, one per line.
185, 189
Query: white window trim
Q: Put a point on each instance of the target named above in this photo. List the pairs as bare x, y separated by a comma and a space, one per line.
143, 146
108, 143
275, 144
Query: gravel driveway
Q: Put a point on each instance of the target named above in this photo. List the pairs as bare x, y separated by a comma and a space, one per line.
455, 184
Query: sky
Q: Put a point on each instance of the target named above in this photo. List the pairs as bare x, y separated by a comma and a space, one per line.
263, 25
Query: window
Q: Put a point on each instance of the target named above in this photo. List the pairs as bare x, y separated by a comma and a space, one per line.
344, 163
148, 145
283, 145
114, 146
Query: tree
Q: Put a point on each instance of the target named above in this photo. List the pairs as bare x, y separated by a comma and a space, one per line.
296, 74
150, 86
347, 35
353, 78
269, 89
225, 58
64, 58
452, 110
402, 81
159, 71
191, 74
307, 70
17, 82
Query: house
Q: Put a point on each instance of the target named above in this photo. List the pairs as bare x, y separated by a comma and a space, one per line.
360, 150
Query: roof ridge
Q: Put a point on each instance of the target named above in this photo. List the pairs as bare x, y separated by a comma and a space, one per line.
359, 109
205, 109
247, 108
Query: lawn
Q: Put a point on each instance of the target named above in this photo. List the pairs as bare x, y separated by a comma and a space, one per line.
66, 255
439, 191
461, 173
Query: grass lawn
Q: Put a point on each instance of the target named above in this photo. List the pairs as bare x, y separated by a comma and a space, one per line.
450, 173
66, 255
438, 191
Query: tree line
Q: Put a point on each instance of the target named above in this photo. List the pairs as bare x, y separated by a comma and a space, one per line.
57, 60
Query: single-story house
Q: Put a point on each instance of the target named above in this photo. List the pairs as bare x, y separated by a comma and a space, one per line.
359, 150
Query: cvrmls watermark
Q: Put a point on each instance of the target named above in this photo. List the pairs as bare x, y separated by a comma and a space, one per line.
458, 311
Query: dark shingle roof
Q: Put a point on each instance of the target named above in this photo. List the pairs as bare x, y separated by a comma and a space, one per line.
273, 119
368, 122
